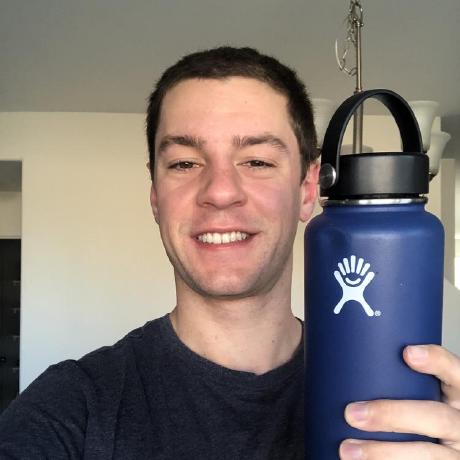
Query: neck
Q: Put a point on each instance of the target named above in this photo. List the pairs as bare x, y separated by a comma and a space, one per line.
255, 334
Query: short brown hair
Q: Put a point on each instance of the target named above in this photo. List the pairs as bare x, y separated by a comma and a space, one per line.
225, 62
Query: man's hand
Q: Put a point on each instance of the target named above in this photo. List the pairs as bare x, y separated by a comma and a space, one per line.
434, 419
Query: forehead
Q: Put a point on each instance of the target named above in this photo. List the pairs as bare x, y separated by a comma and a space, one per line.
239, 102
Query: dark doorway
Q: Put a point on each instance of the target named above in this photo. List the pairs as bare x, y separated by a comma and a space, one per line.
10, 304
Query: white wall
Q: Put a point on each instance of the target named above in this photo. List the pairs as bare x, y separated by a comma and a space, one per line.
457, 272
10, 214
448, 195
442, 204
93, 264
451, 318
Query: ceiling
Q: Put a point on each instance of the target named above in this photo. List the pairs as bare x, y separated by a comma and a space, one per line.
105, 55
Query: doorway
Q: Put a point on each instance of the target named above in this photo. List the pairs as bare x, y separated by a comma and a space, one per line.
10, 278
10, 309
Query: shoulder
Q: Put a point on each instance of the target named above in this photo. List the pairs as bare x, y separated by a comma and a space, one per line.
48, 417
110, 364
103, 371
75, 397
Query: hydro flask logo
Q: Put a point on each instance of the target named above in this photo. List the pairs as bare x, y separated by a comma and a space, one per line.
353, 279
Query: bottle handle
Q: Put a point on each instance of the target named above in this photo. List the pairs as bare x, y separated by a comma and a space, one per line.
402, 114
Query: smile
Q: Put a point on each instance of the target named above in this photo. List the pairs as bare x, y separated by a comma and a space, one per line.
353, 282
222, 238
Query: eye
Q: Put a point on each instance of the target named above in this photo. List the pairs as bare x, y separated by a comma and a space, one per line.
259, 164
183, 165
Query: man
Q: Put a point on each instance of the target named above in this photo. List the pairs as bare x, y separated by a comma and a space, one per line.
232, 160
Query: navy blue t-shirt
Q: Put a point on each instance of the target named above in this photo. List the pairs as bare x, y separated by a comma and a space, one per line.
151, 397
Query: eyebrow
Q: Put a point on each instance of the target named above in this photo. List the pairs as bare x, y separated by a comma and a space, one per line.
270, 139
239, 142
185, 140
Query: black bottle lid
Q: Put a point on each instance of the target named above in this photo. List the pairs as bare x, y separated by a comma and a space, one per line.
374, 175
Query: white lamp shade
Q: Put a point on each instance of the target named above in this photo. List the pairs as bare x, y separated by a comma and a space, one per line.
425, 111
439, 139
323, 109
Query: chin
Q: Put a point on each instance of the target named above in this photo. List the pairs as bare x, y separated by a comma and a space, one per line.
226, 289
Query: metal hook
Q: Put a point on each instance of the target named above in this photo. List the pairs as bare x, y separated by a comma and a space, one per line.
356, 12
353, 21
342, 61
353, 24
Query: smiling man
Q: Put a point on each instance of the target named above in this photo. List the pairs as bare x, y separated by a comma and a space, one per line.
227, 194
233, 167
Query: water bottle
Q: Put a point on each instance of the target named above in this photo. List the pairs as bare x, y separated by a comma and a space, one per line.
373, 280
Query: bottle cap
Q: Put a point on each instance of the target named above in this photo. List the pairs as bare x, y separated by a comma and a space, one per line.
378, 174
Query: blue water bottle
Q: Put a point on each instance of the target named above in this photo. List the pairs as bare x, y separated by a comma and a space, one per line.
373, 280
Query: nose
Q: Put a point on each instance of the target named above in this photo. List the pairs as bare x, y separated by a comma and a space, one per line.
221, 188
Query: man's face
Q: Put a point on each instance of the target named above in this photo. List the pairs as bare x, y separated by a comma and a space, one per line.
226, 191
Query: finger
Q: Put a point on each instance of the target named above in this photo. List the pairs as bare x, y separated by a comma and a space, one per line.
436, 360
352, 449
429, 418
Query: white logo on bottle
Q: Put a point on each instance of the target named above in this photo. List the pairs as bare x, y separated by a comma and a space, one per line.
353, 278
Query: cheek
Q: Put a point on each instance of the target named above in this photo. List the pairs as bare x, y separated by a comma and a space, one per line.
171, 195
278, 203
175, 210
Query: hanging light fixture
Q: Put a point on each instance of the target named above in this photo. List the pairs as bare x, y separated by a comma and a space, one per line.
424, 111
354, 22
439, 140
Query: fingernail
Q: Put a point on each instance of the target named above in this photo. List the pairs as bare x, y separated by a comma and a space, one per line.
358, 411
351, 450
417, 353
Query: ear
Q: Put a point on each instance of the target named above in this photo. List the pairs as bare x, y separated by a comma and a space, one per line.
154, 202
309, 191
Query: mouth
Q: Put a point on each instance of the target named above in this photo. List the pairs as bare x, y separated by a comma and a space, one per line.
217, 238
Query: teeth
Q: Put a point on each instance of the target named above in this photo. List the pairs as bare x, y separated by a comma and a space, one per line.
222, 238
